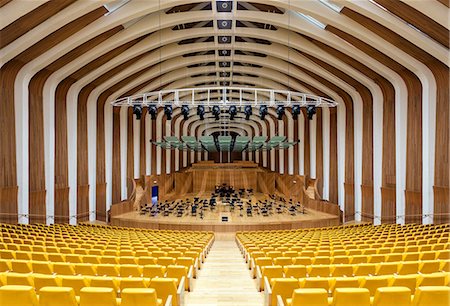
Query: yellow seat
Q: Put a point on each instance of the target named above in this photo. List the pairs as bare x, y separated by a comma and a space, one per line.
444, 254
91, 259
63, 268
105, 282
342, 270
387, 268
42, 267
315, 282
130, 270
282, 261
302, 260
132, 282
343, 282
409, 267
351, 297
18, 295
434, 279
153, 271
389, 296
364, 269
164, 288
432, 295
283, 287
373, 282
74, 258
127, 260
340, 260
7, 254
21, 266
179, 272
13, 278
174, 254
377, 258
109, 260
295, 271
5, 265
310, 297
146, 260
359, 259
75, 282
322, 260
22, 255
141, 253
319, 270
408, 281
107, 270
43, 280
92, 296
56, 257
56, 296
140, 296
165, 261
269, 272
85, 269
429, 266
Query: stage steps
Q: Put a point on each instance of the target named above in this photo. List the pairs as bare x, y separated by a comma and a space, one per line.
224, 279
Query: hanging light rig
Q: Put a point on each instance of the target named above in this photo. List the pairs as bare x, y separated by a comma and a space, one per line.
247, 99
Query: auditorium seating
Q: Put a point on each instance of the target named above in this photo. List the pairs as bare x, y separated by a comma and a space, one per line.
364, 263
97, 265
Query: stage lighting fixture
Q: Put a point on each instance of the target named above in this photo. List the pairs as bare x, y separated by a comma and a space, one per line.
280, 112
310, 111
185, 111
152, 110
216, 111
263, 111
137, 110
295, 111
168, 112
232, 111
201, 112
247, 112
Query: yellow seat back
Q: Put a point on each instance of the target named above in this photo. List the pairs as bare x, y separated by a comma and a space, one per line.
351, 297
91, 296
139, 296
153, 271
432, 295
165, 287
310, 297
56, 296
12, 295
388, 296
283, 287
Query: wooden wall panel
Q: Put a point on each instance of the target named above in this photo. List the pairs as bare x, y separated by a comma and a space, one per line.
8, 204
130, 148
319, 152
333, 185
116, 169
61, 205
82, 161
307, 149
388, 208
296, 148
142, 143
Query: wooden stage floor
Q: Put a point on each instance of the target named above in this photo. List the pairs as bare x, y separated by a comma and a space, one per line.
212, 221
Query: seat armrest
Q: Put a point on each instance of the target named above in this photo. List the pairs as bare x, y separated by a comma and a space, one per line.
180, 291
258, 278
168, 301
267, 292
280, 301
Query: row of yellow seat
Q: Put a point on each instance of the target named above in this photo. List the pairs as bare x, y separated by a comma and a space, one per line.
89, 296
391, 268
384, 296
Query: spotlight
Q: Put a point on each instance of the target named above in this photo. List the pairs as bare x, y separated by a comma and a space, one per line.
247, 112
168, 112
310, 111
185, 111
232, 111
216, 112
137, 110
280, 112
295, 111
263, 111
152, 110
201, 111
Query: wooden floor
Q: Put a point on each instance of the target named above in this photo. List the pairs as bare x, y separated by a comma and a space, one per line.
224, 278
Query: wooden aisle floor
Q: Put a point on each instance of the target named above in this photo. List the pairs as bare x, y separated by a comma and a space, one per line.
224, 279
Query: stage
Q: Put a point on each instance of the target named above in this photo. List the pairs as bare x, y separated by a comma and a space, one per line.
236, 221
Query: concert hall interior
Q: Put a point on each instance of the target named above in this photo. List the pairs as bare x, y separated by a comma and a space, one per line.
224, 152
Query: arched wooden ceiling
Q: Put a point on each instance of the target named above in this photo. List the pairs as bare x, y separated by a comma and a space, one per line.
362, 53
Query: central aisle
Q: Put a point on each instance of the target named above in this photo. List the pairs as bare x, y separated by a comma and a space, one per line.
224, 279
